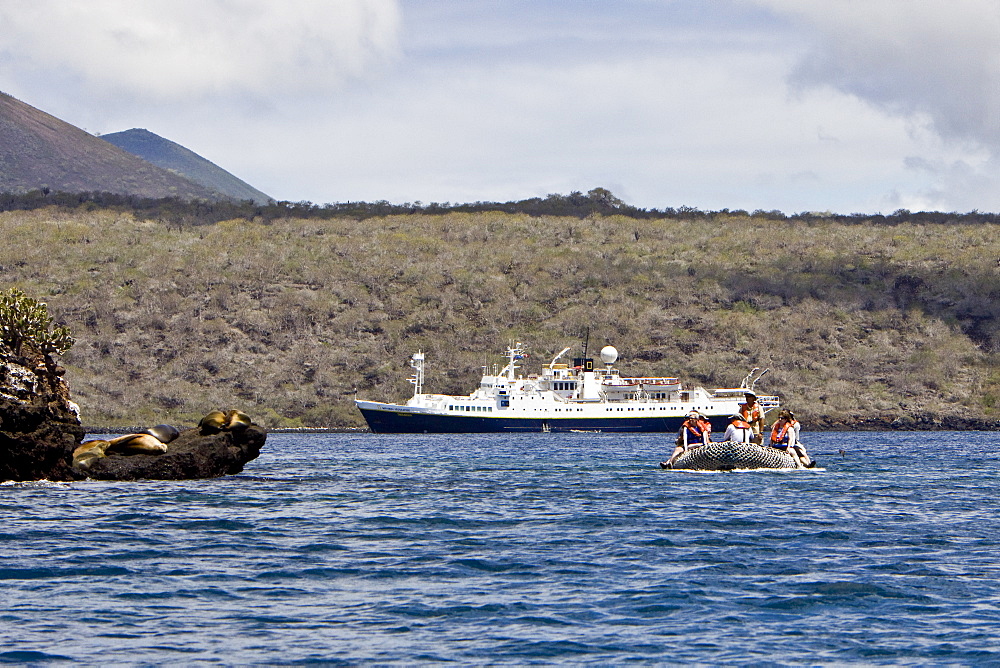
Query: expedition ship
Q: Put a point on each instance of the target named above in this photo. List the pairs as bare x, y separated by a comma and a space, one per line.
563, 397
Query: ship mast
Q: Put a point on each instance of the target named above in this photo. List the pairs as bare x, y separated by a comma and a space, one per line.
514, 353
417, 362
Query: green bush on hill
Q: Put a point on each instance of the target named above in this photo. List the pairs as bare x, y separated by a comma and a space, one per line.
25, 325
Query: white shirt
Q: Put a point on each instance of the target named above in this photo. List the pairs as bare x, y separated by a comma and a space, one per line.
738, 434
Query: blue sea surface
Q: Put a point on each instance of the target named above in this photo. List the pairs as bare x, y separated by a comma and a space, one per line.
515, 549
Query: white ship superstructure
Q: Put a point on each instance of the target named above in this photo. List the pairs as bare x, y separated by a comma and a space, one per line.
577, 396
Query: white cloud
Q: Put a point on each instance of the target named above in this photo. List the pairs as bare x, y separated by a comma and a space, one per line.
185, 50
666, 129
933, 57
845, 106
935, 63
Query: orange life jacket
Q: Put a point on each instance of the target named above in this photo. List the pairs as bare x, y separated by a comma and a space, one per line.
696, 428
779, 433
750, 412
740, 424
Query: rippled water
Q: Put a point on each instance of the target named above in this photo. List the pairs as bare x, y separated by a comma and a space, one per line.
535, 548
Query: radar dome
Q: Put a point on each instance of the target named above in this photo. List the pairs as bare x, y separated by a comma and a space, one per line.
609, 354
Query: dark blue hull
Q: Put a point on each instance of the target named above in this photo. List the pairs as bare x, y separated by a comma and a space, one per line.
398, 422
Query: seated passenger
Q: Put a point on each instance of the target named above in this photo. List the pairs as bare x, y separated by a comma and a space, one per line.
800, 447
783, 437
695, 430
739, 430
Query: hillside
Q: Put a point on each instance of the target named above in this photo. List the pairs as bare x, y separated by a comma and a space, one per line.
174, 157
38, 151
860, 323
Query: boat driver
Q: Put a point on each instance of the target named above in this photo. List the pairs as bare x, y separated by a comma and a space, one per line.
696, 430
753, 414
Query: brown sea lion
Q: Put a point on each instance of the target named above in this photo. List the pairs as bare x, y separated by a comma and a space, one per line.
214, 422
164, 432
236, 420
87, 452
137, 444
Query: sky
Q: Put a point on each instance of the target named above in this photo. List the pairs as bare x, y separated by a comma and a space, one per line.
847, 106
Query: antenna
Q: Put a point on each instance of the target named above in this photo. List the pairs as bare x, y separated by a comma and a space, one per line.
417, 362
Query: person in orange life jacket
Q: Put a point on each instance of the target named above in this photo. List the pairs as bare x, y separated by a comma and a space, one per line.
753, 414
738, 430
695, 430
784, 437
800, 448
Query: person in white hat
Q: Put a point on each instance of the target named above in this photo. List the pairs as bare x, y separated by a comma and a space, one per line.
753, 415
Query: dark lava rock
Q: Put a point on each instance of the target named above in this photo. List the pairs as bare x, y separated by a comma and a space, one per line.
193, 454
39, 425
40, 428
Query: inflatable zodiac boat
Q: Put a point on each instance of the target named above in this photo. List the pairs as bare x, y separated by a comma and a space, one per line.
732, 456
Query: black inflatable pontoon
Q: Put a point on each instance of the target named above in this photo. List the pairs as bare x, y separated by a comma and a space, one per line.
730, 456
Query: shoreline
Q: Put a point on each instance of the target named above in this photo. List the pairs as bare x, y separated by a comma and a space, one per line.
821, 426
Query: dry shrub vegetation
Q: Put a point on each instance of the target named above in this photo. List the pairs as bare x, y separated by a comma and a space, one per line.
288, 320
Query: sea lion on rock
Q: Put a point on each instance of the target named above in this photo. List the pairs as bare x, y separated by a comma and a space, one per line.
163, 432
87, 452
213, 422
137, 444
231, 420
192, 455
130, 444
237, 420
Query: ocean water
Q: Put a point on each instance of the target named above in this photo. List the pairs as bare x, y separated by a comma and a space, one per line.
521, 549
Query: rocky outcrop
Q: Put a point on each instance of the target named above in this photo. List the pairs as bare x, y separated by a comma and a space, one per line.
41, 437
39, 425
195, 453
